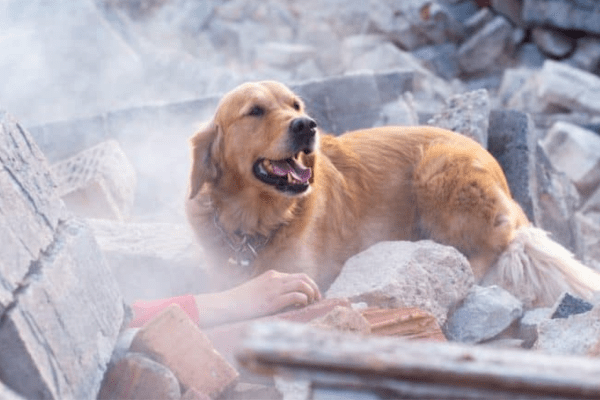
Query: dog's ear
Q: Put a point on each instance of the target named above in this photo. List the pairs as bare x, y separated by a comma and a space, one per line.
205, 167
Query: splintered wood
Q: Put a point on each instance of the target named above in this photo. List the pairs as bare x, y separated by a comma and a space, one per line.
399, 368
409, 323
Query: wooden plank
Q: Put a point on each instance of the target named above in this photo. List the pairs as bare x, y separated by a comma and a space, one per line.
397, 367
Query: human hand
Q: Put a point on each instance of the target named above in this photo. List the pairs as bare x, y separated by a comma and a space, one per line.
263, 295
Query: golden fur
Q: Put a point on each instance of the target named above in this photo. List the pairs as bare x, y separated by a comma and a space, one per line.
389, 183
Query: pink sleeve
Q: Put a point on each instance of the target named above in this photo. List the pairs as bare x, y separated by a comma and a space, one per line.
145, 310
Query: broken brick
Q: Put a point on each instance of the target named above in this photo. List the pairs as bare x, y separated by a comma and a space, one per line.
137, 377
173, 340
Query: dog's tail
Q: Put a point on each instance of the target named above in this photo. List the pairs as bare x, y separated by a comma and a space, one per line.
538, 270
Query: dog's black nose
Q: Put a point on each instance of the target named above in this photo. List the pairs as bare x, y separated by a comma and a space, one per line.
303, 134
303, 126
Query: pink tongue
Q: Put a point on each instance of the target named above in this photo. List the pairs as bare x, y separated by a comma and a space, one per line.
284, 167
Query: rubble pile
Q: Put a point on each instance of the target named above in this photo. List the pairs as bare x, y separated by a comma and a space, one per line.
94, 175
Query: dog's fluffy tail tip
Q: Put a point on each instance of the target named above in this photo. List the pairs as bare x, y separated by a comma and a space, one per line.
538, 270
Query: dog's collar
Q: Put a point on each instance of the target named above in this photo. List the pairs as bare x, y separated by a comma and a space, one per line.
244, 246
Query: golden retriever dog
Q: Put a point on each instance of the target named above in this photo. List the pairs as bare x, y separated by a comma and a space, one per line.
269, 191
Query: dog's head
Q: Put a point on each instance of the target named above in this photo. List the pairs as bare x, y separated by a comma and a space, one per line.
260, 136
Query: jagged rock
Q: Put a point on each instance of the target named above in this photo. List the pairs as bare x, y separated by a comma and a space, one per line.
528, 325
440, 59
399, 112
559, 84
137, 377
404, 22
30, 209
590, 232
151, 260
513, 80
552, 42
592, 204
424, 274
555, 201
485, 313
98, 182
467, 113
576, 152
569, 305
575, 335
486, 48
172, 339
478, 20
586, 55
511, 9
565, 14
60, 308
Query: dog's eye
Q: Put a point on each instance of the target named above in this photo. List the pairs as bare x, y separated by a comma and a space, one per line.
296, 106
257, 111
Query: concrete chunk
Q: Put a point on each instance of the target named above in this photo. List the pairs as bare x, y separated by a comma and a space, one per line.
423, 274
484, 49
29, 207
98, 182
562, 85
56, 338
467, 113
576, 152
575, 335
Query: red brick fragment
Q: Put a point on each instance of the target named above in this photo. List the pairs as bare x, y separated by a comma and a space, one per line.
176, 342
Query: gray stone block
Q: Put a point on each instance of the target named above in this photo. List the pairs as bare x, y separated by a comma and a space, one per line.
486, 48
57, 337
30, 210
98, 182
576, 152
346, 103
511, 142
546, 196
60, 308
485, 313
559, 84
582, 15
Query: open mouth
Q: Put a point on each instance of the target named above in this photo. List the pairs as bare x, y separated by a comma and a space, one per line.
287, 175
